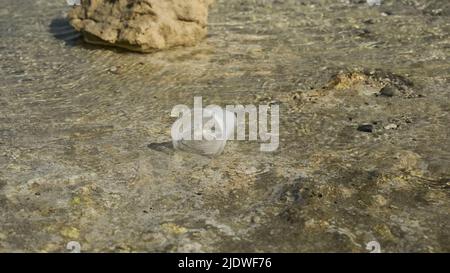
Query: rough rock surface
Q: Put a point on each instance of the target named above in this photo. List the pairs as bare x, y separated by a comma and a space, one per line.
142, 25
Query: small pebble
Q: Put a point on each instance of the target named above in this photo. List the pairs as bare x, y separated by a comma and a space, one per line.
391, 126
113, 69
367, 128
374, 2
388, 91
256, 219
73, 2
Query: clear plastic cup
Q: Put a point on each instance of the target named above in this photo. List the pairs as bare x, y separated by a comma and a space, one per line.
204, 139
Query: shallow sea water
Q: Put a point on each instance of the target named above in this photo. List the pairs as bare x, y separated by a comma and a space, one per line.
82, 132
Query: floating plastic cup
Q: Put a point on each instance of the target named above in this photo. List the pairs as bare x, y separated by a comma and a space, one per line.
208, 137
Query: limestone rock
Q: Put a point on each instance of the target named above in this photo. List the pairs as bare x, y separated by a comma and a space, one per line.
141, 25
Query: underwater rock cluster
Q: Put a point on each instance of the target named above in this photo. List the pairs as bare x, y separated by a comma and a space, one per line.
141, 25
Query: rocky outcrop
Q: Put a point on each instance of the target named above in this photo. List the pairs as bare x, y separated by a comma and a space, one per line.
141, 25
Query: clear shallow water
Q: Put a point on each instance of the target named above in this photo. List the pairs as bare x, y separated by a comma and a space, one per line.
75, 136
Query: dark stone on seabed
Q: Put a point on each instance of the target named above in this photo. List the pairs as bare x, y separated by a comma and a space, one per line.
388, 91
367, 128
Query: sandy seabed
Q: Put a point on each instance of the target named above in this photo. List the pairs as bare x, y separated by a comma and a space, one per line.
79, 123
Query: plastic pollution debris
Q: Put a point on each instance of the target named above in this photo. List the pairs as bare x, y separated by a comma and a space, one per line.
74, 247
374, 2
201, 138
373, 247
73, 2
